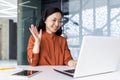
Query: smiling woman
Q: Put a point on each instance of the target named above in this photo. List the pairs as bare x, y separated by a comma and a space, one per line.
46, 46
8, 9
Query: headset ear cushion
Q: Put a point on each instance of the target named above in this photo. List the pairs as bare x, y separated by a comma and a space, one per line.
43, 19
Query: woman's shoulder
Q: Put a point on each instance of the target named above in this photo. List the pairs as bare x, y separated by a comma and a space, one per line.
62, 38
31, 37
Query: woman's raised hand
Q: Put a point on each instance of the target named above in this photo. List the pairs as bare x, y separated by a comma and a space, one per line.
36, 34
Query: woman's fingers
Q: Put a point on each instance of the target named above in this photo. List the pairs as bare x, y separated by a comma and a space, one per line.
72, 63
35, 29
40, 33
32, 32
37, 35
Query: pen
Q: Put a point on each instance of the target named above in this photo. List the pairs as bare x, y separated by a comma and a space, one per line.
7, 68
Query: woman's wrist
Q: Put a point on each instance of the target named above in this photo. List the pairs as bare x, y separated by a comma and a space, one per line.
37, 42
36, 47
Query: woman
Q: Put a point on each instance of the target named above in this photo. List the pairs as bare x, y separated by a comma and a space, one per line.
46, 46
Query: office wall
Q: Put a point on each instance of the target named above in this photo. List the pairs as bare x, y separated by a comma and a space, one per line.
28, 14
4, 25
0, 42
12, 40
8, 39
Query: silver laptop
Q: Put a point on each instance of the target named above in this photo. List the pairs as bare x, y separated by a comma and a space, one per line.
98, 55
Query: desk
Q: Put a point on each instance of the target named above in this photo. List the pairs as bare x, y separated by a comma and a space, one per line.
49, 74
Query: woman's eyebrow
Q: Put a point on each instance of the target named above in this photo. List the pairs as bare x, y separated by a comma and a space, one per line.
56, 18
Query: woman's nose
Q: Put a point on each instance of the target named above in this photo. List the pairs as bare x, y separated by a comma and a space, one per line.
56, 23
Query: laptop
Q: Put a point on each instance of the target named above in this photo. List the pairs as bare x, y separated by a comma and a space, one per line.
98, 55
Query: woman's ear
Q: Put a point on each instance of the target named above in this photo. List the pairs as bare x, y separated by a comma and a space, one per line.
45, 21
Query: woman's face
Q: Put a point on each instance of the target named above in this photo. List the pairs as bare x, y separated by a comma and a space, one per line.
53, 22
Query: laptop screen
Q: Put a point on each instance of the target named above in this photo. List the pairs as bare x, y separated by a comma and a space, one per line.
98, 55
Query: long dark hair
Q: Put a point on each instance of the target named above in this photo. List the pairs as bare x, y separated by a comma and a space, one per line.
49, 11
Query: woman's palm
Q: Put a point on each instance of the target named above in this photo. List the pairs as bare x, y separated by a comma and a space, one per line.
37, 35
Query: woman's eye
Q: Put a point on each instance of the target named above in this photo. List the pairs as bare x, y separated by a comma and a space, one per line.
57, 21
54, 20
60, 21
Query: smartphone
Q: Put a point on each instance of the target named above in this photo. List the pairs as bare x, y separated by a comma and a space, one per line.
26, 73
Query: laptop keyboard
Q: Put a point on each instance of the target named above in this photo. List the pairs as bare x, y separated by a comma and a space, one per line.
70, 71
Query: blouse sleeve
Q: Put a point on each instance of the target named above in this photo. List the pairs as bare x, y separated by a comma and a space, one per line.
67, 54
32, 58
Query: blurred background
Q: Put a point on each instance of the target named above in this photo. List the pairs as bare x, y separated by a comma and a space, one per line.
81, 17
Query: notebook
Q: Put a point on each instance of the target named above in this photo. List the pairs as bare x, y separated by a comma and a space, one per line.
98, 55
